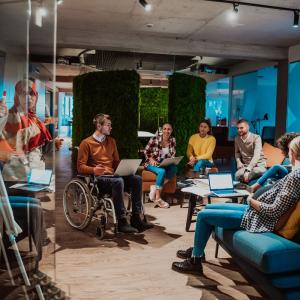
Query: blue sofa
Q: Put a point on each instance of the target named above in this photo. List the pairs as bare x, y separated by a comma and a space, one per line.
269, 259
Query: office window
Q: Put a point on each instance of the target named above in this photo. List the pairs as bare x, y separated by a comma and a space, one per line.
293, 112
217, 101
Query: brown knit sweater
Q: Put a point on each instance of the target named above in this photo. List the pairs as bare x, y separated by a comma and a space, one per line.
91, 153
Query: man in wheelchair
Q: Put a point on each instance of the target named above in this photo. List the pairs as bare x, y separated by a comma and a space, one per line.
98, 156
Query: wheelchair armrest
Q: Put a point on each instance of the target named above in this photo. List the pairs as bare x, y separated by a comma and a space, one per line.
87, 178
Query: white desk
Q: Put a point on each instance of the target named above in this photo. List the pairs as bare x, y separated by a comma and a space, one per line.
200, 188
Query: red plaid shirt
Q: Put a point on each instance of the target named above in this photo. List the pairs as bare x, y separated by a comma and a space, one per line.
154, 146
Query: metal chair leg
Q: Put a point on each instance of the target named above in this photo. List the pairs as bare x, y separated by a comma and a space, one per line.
217, 250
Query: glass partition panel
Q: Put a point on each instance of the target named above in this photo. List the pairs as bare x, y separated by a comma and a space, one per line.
293, 111
254, 99
27, 29
217, 102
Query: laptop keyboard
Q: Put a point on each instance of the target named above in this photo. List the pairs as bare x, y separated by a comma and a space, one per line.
225, 192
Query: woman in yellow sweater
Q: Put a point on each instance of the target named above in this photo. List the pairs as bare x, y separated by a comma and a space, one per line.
201, 147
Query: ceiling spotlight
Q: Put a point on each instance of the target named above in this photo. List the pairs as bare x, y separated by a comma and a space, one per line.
235, 7
146, 5
296, 18
59, 2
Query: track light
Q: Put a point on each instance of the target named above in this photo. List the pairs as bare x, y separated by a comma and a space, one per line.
296, 18
235, 7
40, 12
146, 5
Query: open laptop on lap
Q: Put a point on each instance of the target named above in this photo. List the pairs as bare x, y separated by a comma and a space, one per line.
126, 167
221, 185
39, 180
171, 160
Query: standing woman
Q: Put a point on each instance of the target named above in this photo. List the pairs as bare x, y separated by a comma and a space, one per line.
161, 146
201, 147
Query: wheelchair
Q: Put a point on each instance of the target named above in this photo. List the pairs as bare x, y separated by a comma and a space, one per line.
83, 202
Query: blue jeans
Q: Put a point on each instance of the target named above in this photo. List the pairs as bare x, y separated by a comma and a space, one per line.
116, 186
202, 163
276, 171
162, 173
225, 215
28, 213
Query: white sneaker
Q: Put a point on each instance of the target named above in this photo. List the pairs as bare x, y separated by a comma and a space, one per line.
152, 193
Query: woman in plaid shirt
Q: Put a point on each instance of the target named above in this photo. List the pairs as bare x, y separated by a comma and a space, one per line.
260, 215
161, 146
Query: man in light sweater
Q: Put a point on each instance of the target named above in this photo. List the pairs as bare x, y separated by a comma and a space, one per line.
98, 155
249, 156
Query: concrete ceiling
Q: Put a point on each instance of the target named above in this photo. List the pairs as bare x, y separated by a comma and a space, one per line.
177, 27
189, 27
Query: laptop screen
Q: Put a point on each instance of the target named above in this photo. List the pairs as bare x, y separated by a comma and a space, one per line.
220, 181
40, 176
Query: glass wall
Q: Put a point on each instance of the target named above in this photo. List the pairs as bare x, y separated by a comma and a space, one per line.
26, 147
65, 115
217, 102
293, 111
254, 99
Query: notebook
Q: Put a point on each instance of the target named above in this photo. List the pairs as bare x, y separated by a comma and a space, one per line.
221, 185
39, 180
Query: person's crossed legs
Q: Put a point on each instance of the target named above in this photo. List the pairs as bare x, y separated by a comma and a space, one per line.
225, 215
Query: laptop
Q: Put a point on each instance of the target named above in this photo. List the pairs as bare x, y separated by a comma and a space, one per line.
171, 160
39, 180
221, 185
127, 167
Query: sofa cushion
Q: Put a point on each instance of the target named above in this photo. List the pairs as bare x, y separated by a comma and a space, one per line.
273, 155
286, 280
268, 252
292, 225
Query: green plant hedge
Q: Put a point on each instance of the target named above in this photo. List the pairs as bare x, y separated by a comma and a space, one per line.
115, 93
153, 108
186, 108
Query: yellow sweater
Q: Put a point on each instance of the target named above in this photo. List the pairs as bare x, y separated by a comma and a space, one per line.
201, 148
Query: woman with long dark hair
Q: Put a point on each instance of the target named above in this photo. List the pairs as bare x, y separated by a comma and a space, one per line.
161, 146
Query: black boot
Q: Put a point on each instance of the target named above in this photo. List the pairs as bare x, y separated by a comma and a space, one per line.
191, 265
124, 227
139, 224
184, 254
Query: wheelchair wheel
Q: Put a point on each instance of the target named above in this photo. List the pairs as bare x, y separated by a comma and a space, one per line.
77, 203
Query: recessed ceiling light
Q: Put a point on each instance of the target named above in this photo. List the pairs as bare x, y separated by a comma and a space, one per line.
149, 25
146, 5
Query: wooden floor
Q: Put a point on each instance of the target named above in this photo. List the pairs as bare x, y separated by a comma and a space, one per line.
138, 267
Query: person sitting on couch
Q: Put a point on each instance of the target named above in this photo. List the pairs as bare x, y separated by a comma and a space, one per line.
249, 156
276, 171
162, 145
201, 147
98, 155
260, 215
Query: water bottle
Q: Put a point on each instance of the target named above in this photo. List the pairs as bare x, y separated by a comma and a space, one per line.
2, 103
